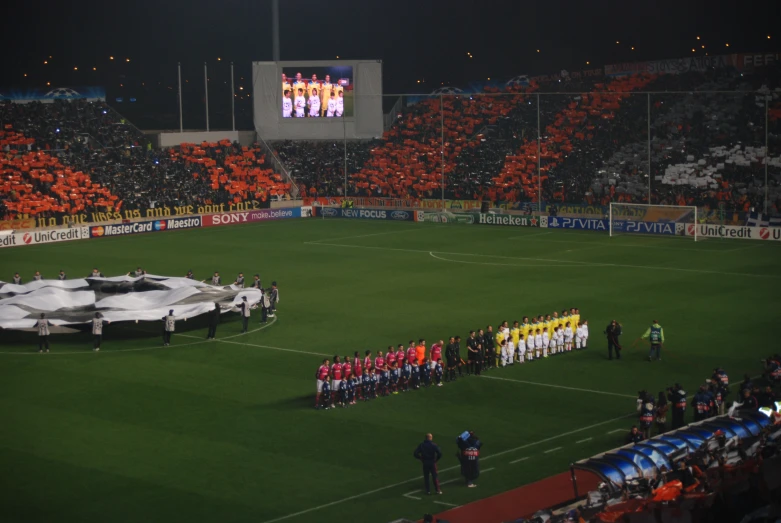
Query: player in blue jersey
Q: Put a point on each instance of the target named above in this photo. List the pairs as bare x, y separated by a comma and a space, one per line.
438, 372
382, 386
394, 379
415, 378
406, 374
325, 396
344, 392
425, 371
366, 385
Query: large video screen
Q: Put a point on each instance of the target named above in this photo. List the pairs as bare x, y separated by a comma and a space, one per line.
317, 92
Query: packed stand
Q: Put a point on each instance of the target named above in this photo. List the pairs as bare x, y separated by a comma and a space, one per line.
70, 157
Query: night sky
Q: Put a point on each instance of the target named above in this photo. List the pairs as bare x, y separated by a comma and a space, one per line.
416, 40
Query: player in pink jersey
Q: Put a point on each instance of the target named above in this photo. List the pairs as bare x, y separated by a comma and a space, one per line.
412, 354
401, 355
336, 378
321, 376
436, 353
367, 360
347, 369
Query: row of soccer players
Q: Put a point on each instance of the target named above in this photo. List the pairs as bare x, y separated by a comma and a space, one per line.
521, 344
344, 382
334, 105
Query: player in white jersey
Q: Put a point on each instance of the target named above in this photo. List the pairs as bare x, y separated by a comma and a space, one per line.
530, 345
579, 337
314, 104
170, 327
560, 341
43, 333
300, 104
585, 333
538, 343
97, 330
510, 359
545, 343
521, 349
568, 337
287, 106
331, 108
340, 104
554, 335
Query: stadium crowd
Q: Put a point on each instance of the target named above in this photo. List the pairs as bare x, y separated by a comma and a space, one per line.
344, 381
70, 157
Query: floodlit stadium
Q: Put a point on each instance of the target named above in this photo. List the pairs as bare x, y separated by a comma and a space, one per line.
173, 302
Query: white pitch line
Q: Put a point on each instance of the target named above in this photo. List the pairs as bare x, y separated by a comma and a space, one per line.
156, 347
446, 504
502, 264
519, 460
559, 386
417, 478
410, 496
450, 481
575, 263
410, 229
584, 440
617, 430
552, 450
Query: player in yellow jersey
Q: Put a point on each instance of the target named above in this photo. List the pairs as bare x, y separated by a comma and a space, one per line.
499, 338
325, 93
575, 315
299, 84
564, 319
286, 84
314, 83
515, 335
525, 326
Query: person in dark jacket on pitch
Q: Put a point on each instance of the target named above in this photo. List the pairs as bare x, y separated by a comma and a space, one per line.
214, 320
469, 455
613, 331
429, 454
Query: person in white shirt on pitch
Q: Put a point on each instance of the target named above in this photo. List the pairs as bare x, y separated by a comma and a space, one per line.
568, 337
545, 343
538, 344
331, 107
300, 104
314, 104
510, 359
579, 337
521, 349
560, 341
585, 333
554, 337
530, 345
340, 104
287, 106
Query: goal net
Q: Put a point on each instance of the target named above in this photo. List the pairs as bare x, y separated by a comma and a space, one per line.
666, 220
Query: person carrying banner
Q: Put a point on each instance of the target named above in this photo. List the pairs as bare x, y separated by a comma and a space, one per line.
245, 312
97, 331
168, 327
43, 333
214, 320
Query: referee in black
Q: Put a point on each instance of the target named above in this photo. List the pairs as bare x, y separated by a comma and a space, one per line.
428, 453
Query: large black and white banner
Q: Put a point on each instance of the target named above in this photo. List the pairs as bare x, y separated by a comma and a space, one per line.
121, 298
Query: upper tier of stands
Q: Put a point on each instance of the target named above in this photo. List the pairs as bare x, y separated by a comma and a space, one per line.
701, 135
69, 157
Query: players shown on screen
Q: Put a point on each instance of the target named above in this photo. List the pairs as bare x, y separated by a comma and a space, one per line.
311, 98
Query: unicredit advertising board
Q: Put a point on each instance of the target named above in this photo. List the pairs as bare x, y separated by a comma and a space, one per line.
737, 232
259, 215
371, 214
33, 237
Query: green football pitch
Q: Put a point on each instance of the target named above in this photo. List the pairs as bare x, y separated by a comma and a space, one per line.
225, 430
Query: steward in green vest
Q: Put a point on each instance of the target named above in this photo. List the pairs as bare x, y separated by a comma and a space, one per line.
655, 333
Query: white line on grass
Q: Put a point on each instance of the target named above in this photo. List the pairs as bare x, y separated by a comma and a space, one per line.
617, 430
575, 264
559, 386
410, 495
584, 440
410, 229
501, 264
417, 478
156, 347
519, 460
552, 450
446, 504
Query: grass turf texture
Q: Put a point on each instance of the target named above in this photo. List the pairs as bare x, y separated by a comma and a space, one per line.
225, 430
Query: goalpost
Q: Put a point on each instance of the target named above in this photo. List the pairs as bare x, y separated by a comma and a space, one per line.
668, 220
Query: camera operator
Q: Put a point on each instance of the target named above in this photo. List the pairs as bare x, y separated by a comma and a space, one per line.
772, 367
646, 409
677, 398
701, 404
469, 456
